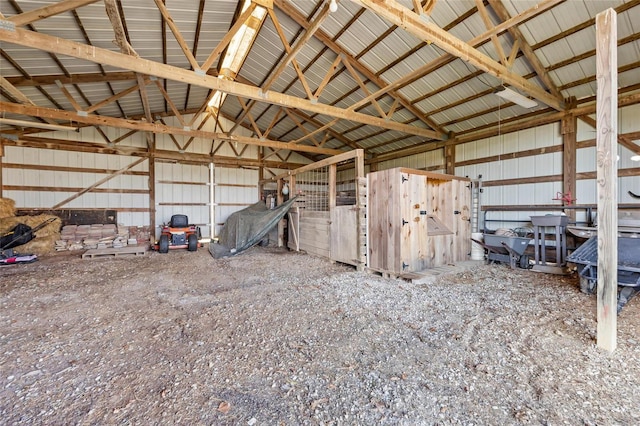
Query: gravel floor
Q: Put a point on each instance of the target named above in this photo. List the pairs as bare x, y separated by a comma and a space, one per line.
273, 337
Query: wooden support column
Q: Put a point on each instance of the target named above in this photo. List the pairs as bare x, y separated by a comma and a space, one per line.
1, 155
607, 177
261, 176
280, 200
450, 159
152, 186
569, 136
361, 206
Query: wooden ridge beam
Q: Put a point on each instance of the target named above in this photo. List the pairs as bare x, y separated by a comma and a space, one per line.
106, 57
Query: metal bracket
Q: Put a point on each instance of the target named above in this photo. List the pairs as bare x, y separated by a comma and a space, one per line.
404, 265
404, 179
7, 25
404, 222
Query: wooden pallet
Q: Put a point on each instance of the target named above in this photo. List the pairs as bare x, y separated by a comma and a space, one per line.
115, 252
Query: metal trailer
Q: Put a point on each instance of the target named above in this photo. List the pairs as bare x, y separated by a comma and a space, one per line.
586, 256
506, 249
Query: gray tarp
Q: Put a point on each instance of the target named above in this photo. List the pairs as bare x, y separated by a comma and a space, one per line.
247, 227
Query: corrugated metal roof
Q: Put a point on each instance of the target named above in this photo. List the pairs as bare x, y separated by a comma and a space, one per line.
446, 96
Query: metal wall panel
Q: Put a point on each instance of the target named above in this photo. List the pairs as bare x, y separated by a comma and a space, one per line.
27, 181
234, 190
183, 189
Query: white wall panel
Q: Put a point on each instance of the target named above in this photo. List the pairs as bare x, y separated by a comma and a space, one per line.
73, 179
586, 160
586, 192
234, 190
183, 189
626, 184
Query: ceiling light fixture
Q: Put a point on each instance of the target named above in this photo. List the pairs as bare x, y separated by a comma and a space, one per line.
47, 126
635, 158
333, 6
515, 97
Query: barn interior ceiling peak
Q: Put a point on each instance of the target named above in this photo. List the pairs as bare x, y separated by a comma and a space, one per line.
316, 77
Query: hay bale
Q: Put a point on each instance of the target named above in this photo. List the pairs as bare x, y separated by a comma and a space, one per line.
7, 207
46, 237
39, 246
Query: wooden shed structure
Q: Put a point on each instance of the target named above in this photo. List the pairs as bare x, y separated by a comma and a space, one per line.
417, 220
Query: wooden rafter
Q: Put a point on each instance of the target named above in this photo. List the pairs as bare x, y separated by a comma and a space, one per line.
336, 135
227, 38
525, 47
294, 14
411, 22
248, 114
69, 97
155, 127
53, 57
113, 98
327, 77
488, 24
107, 57
290, 57
18, 95
32, 16
98, 148
363, 87
166, 16
173, 107
287, 47
300, 126
194, 50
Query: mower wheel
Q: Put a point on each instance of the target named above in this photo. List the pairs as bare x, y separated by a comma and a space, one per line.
193, 242
163, 244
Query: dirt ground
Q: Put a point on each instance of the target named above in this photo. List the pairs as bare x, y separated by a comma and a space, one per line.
272, 337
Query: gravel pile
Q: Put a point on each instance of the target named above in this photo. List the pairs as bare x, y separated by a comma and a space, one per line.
274, 337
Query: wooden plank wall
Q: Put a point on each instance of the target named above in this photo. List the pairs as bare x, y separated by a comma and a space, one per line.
344, 248
441, 247
314, 228
413, 200
383, 238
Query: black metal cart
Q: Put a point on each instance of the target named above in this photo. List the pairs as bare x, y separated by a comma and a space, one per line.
586, 256
506, 249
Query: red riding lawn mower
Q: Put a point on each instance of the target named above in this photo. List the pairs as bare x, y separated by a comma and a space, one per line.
178, 234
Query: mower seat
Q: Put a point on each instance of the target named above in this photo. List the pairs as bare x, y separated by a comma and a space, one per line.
179, 221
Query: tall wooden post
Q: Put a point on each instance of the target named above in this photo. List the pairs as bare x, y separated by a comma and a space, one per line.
152, 189
607, 176
361, 222
569, 136
260, 172
1, 155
